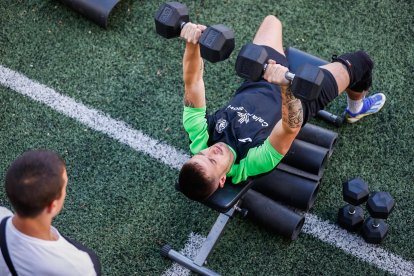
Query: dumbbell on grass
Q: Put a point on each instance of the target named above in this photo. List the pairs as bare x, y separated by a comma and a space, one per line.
379, 206
216, 42
355, 192
252, 62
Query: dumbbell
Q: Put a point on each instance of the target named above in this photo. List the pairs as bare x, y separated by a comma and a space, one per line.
355, 192
379, 206
216, 42
252, 62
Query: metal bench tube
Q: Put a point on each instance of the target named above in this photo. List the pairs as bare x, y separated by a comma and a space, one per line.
213, 236
206, 249
170, 253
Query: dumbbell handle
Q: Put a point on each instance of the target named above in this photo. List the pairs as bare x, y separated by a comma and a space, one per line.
182, 23
288, 75
376, 222
352, 209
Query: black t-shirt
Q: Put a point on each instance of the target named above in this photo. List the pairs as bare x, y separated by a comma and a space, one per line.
248, 119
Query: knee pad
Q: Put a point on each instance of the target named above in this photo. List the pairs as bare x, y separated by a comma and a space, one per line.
359, 66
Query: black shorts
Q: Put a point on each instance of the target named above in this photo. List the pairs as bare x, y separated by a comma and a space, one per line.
329, 90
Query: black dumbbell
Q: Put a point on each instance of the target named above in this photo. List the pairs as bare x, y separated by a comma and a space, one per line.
216, 42
379, 206
355, 192
252, 62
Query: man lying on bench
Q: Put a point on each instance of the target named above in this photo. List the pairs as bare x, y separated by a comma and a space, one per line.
251, 134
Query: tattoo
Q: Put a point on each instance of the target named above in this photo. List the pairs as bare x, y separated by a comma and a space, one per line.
292, 112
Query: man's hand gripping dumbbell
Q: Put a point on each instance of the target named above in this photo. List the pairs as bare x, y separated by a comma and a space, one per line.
216, 42
253, 63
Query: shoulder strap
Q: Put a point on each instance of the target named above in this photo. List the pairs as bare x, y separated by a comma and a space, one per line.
3, 246
92, 255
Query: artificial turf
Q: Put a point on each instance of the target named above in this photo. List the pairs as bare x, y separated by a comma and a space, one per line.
122, 203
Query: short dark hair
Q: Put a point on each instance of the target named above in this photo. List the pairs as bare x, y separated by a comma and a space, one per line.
194, 183
34, 180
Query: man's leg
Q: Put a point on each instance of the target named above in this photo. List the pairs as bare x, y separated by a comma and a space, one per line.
338, 77
270, 34
340, 74
355, 78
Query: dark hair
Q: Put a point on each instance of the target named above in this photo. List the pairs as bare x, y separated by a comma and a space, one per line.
33, 181
194, 183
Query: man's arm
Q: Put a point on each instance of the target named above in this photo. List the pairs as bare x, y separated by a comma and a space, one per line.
193, 67
285, 131
194, 115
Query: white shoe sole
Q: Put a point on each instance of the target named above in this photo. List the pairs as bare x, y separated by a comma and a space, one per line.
352, 120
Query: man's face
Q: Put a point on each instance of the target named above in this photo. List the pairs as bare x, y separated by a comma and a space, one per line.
216, 161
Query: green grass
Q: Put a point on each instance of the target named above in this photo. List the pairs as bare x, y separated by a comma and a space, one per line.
122, 203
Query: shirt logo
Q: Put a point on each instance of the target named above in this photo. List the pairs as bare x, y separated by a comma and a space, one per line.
244, 140
244, 117
221, 125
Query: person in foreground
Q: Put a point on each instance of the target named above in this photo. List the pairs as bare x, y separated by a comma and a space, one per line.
251, 134
35, 184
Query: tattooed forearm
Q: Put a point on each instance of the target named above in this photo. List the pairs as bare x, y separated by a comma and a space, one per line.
292, 112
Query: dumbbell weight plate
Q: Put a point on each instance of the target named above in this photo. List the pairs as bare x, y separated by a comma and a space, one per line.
169, 19
217, 43
351, 220
250, 61
307, 82
374, 231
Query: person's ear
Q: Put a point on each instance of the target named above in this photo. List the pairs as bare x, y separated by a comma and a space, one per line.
222, 181
52, 207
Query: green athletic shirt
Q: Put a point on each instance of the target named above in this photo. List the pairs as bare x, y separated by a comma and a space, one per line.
259, 159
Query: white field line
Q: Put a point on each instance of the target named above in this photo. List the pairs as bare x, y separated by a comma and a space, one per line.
355, 245
174, 158
93, 118
190, 250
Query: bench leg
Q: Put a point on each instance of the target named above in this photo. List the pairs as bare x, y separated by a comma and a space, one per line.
196, 265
